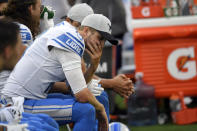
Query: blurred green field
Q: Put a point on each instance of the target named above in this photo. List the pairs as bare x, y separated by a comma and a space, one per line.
166, 127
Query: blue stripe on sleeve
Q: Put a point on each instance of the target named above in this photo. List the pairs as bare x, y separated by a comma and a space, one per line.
60, 44
75, 39
67, 42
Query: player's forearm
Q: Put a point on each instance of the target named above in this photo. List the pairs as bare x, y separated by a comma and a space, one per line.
90, 72
86, 96
105, 83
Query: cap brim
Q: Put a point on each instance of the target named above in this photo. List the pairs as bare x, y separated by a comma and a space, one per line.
109, 37
63, 17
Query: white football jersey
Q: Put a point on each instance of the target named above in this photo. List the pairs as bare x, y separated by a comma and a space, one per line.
38, 69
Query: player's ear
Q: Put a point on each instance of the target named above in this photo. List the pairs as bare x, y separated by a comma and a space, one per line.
30, 8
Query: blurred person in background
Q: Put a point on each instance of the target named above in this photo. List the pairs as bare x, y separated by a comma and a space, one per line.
115, 11
9, 113
26, 13
10, 53
128, 65
10, 42
61, 7
3, 5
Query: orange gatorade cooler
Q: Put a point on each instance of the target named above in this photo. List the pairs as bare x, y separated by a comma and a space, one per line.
167, 56
149, 9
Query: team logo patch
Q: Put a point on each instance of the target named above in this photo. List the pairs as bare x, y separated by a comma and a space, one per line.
181, 63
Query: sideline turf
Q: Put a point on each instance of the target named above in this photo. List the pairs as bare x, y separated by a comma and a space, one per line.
166, 127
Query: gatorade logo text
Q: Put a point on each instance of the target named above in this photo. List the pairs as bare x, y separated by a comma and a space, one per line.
181, 63
146, 11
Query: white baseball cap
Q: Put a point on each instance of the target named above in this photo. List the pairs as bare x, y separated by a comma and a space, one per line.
79, 11
102, 24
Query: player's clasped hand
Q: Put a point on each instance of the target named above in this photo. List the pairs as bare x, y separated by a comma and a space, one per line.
123, 86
